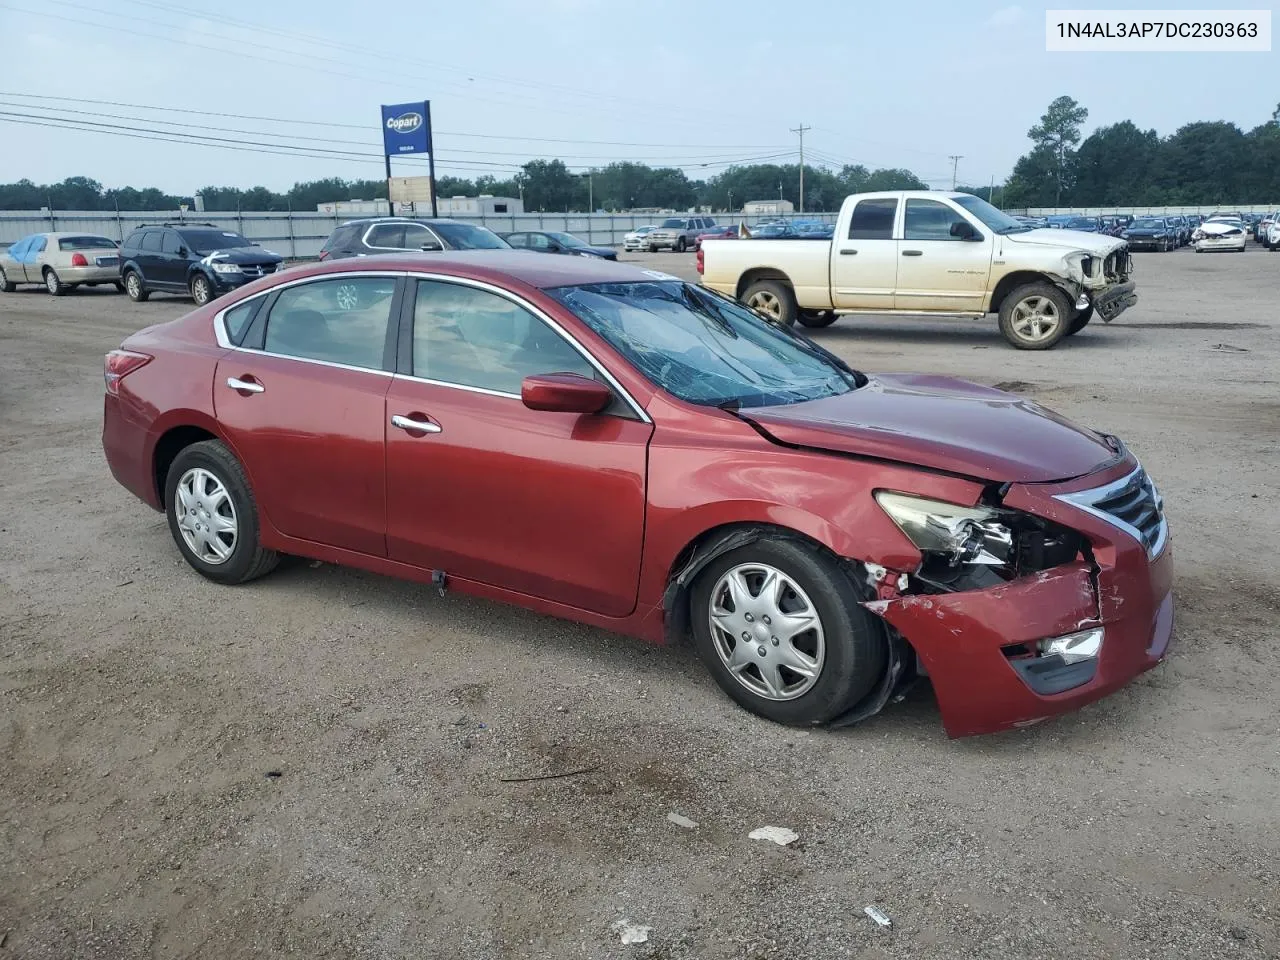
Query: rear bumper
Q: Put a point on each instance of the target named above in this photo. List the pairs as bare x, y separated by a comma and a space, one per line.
127, 446
109, 274
974, 644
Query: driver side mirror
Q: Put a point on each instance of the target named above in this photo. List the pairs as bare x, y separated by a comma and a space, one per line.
553, 246
564, 393
182, 251
964, 230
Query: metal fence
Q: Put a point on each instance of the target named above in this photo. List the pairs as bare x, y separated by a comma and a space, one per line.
1150, 211
300, 235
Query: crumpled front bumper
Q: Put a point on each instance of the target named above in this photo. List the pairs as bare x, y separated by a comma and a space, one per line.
1113, 301
969, 642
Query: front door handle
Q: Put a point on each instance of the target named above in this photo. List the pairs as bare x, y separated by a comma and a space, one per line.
913, 253
415, 426
245, 386
847, 253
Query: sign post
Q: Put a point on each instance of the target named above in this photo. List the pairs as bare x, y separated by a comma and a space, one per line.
406, 128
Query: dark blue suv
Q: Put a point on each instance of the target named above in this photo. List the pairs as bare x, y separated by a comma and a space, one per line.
199, 259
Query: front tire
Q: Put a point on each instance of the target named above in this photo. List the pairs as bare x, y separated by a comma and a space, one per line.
53, 283
201, 289
1080, 321
213, 516
134, 288
774, 299
781, 628
6, 285
816, 319
1035, 316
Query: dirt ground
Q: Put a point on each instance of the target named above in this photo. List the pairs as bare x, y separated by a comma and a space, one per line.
312, 765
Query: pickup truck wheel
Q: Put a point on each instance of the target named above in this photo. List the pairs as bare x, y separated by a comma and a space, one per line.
1035, 316
1080, 321
681, 245
780, 627
816, 318
774, 299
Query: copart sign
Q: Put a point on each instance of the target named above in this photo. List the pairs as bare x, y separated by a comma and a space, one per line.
405, 128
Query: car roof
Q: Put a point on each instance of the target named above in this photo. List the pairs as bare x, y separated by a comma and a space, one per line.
541, 270
347, 223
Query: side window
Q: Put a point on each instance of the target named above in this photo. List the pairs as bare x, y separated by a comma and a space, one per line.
499, 208
873, 219
475, 338
134, 240
38, 245
929, 220
539, 241
518, 240
151, 241
343, 320
238, 318
416, 235
19, 249
170, 243
387, 235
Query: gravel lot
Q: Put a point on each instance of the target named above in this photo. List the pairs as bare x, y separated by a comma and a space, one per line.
312, 765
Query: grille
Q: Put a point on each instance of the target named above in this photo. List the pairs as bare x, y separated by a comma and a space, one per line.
1132, 504
257, 269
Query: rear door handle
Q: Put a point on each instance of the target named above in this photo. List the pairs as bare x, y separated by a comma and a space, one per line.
247, 386
847, 253
913, 253
418, 426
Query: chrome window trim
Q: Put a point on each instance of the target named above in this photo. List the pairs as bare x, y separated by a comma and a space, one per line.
1086, 500
545, 318
220, 332
364, 237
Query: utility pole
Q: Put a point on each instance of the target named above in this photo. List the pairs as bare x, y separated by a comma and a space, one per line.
991, 191
955, 165
800, 130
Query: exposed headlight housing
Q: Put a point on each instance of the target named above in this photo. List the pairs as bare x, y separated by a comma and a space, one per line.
959, 534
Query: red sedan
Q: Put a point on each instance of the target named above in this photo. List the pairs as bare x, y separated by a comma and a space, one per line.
616, 446
729, 232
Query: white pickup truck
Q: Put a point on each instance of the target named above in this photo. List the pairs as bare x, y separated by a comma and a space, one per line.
932, 253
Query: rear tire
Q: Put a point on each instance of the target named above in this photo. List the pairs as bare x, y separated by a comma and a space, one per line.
681, 245
1035, 316
118, 285
214, 517
774, 299
53, 283
134, 287
843, 651
6, 285
816, 319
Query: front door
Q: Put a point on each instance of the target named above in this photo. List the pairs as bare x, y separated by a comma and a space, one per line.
302, 403
938, 270
547, 504
864, 262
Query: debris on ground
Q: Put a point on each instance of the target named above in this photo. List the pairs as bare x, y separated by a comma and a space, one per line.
630, 932
779, 835
878, 915
549, 776
680, 821
1229, 348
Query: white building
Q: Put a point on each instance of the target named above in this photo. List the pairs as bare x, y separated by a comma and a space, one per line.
755, 208
483, 205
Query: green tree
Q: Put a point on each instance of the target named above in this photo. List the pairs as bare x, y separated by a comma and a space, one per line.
548, 185
1115, 165
1057, 133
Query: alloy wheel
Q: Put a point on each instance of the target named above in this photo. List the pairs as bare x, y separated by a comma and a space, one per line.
767, 631
132, 285
766, 303
1036, 318
206, 516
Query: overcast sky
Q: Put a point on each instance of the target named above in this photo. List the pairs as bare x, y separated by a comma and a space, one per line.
695, 85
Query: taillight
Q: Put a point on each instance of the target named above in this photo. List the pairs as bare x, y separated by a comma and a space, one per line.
700, 256
119, 364
78, 260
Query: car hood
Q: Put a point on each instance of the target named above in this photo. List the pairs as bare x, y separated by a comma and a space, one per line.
1147, 231
1096, 243
1217, 228
942, 424
243, 255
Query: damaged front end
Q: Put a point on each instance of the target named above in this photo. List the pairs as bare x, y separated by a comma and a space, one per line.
1036, 600
1103, 281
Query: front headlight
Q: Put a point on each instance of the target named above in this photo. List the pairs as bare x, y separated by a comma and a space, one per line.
225, 267
947, 530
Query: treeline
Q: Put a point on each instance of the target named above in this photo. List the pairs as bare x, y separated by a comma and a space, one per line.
1206, 163
546, 185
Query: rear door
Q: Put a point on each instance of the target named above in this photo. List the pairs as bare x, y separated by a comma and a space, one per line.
149, 257
302, 402
938, 271
171, 262
32, 258
864, 262
547, 504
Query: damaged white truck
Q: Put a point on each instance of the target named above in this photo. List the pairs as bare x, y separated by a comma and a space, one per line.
930, 253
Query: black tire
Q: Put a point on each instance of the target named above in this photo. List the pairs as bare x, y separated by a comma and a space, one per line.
6, 285
855, 641
248, 559
681, 245
816, 319
1080, 321
775, 299
201, 289
53, 283
135, 288
118, 285
1062, 306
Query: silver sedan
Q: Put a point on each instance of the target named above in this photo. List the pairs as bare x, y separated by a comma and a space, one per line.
60, 262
